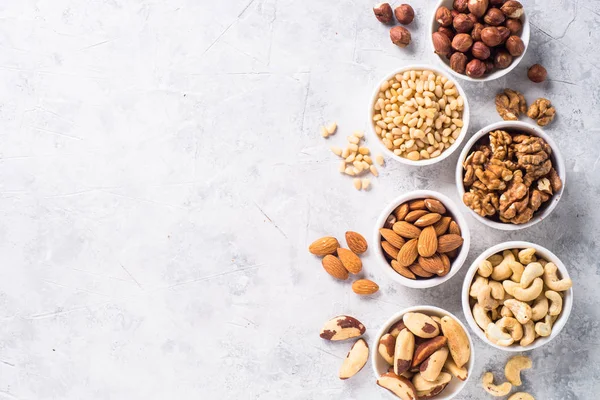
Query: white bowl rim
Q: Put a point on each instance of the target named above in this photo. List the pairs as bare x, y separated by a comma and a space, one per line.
498, 73
465, 117
559, 324
425, 309
456, 264
559, 166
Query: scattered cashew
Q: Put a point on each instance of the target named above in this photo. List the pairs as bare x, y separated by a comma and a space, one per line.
485, 268
510, 324
477, 284
495, 259
552, 281
505, 312
521, 396
497, 290
527, 256
517, 271
485, 299
513, 369
497, 335
503, 271
555, 302
524, 294
481, 316
528, 334
544, 328
532, 271
497, 391
521, 311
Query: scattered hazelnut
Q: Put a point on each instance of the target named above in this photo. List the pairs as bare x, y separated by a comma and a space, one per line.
491, 36
462, 23
461, 5
480, 51
441, 43
443, 16
462, 42
475, 68
504, 33
400, 36
512, 9
458, 62
383, 13
515, 46
494, 17
514, 25
537, 73
446, 31
502, 59
404, 14
476, 32
478, 7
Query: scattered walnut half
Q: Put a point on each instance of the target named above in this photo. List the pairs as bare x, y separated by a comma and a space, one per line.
542, 111
510, 104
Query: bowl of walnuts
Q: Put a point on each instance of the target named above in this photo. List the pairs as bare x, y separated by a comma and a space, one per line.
510, 175
479, 40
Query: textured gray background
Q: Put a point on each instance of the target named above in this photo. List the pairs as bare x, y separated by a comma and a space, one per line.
161, 175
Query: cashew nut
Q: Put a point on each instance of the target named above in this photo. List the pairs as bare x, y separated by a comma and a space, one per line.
555, 302
496, 259
544, 328
521, 311
527, 256
477, 284
521, 396
532, 271
503, 271
528, 334
513, 369
496, 335
481, 316
495, 314
517, 271
552, 281
485, 299
485, 268
543, 262
497, 290
510, 324
539, 308
524, 294
505, 312
497, 391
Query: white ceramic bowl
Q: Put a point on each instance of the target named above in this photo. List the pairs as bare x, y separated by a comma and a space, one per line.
446, 153
456, 215
380, 366
544, 253
497, 73
557, 162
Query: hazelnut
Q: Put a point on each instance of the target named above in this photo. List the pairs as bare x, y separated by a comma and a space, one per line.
478, 7
489, 66
443, 16
514, 25
475, 68
404, 14
494, 17
454, 13
537, 73
446, 31
515, 46
400, 36
512, 9
461, 5
497, 3
383, 12
504, 33
458, 62
441, 43
491, 36
476, 32
462, 42
480, 51
502, 59
462, 23
473, 18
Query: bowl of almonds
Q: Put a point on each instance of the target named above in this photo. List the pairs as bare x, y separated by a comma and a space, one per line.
421, 239
419, 115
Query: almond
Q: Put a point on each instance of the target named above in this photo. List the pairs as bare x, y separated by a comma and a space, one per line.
334, 267
364, 287
419, 271
428, 242
356, 242
323, 246
446, 263
404, 271
415, 215
442, 225
432, 264
401, 212
435, 206
406, 230
350, 260
427, 219
449, 242
408, 253
416, 204
389, 249
392, 237
454, 228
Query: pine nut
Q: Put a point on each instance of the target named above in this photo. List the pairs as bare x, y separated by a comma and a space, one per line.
336, 150
379, 159
366, 182
331, 128
374, 170
357, 183
324, 132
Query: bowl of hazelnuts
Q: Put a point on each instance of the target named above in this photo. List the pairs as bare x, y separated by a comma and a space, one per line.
479, 40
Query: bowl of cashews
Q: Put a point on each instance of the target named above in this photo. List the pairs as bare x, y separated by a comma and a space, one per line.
517, 296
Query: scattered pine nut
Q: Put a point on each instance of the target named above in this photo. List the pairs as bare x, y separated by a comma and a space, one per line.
358, 134
324, 132
353, 139
336, 150
350, 158
349, 171
379, 159
366, 182
363, 150
357, 183
331, 128
345, 153
374, 170
342, 166
368, 159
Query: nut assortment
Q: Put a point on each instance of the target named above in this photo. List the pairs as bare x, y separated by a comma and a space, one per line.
478, 36
509, 176
418, 114
424, 353
516, 296
420, 239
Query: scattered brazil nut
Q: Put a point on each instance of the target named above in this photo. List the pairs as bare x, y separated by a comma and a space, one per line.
355, 360
495, 390
342, 327
398, 385
513, 369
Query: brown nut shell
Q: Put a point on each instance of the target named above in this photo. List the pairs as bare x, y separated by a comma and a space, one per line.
383, 12
475, 68
515, 46
443, 16
404, 14
462, 42
462, 23
480, 51
400, 36
491, 36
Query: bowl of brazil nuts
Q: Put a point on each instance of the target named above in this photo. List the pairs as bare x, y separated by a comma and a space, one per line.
423, 352
517, 296
419, 115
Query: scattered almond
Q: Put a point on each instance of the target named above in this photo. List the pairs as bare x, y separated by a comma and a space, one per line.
350, 260
356, 242
334, 267
364, 287
323, 246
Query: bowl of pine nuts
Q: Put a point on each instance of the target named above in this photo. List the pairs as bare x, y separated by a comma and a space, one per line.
419, 115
